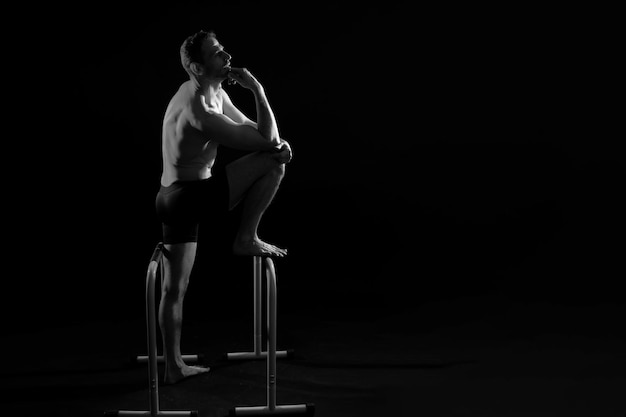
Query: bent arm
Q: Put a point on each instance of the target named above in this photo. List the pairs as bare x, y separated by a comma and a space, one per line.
266, 122
225, 131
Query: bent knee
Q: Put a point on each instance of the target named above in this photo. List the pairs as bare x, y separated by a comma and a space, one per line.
276, 173
274, 167
278, 170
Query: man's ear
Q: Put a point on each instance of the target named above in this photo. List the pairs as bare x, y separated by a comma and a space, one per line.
196, 68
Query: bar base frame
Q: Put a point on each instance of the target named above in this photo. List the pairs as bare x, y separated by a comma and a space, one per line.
261, 355
129, 413
140, 359
284, 409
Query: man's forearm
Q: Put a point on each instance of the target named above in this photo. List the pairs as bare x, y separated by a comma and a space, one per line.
266, 122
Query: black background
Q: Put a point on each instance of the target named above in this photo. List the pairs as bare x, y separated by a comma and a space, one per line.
437, 153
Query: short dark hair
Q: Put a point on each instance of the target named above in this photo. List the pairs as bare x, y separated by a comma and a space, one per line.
191, 49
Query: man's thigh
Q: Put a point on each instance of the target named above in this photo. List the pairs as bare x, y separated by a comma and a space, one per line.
178, 262
245, 171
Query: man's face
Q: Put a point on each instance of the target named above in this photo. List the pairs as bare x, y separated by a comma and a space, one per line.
216, 59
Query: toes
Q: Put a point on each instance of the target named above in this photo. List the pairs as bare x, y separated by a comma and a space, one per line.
262, 248
278, 251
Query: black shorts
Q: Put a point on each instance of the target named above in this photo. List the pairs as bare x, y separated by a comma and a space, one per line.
182, 206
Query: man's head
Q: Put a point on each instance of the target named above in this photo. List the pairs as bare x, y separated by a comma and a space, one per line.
202, 56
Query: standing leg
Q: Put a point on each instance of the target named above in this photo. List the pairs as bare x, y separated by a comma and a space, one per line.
254, 180
178, 262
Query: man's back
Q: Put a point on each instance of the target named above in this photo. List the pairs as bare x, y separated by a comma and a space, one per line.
187, 154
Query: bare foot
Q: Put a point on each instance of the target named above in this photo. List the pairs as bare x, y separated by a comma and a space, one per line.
256, 247
174, 375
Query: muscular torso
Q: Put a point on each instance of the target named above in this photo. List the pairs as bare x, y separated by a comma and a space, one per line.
188, 155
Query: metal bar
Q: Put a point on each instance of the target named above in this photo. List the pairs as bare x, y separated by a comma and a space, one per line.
262, 355
128, 413
271, 408
307, 409
258, 305
161, 359
271, 333
153, 372
155, 265
258, 352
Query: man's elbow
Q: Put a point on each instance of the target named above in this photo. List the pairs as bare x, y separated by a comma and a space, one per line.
275, 141
271, 145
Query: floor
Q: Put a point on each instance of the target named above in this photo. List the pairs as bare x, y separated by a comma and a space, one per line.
476, 355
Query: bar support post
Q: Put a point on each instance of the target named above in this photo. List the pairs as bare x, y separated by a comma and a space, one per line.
271, 408
155, 265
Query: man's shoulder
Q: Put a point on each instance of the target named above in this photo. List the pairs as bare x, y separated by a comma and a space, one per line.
186, 102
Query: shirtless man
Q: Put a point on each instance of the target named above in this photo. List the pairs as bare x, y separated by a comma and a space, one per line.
198, 119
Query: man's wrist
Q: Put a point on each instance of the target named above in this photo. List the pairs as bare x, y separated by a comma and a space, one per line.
257, 89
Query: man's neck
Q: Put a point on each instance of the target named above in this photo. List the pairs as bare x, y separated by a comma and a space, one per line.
209, 89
